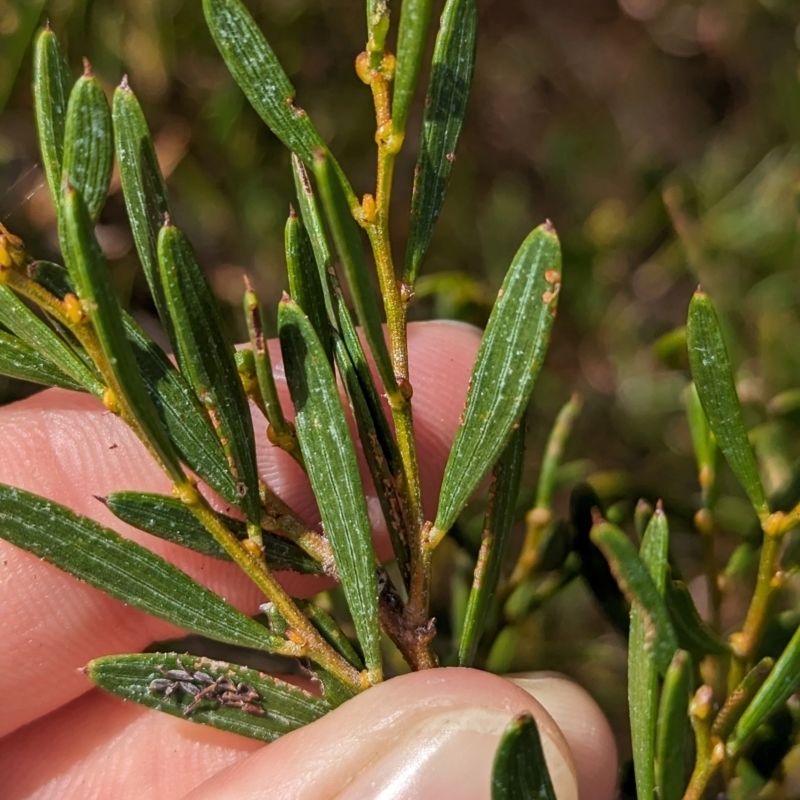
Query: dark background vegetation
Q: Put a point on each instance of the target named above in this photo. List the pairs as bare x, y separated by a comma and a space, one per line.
661, 137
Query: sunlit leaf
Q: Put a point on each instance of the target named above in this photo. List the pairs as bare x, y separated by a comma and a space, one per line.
642, 670
170, 519
713, 377
87, 266
520, 771
330, 458
510, 357
180, 412
673, 726
18, 360
19, 319
88, 142
703, 441
53, 277
346, 237
781, 684
259, 74
176, 403
693, 634
634, 579
740, 698
351, 356
498, 521
412, 37
562, 428
51, 87
377, 25
594, 569
143, 186
282, 432
387, 485
334, 691
445, 108
305, 286
332, 632
380, 448
205, 355
237, 699
122, 569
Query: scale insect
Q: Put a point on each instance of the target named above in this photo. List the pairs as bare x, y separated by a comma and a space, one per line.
201, 687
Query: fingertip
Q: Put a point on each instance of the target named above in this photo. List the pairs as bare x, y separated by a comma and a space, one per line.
421, 736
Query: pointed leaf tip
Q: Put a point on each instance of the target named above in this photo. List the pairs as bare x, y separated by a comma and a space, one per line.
520, 770
714, 380
87, 68
510, 358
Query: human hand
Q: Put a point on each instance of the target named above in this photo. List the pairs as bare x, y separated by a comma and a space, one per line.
430, 734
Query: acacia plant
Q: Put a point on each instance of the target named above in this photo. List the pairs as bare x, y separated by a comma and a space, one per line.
64, 326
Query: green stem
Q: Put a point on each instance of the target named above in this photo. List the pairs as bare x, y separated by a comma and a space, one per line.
539, 518
279, 518
746, 641
305, 637
374, 217
709, 750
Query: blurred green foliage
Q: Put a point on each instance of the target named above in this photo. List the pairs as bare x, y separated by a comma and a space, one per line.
661, 137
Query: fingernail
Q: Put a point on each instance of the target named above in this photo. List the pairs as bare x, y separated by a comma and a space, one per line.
448, 754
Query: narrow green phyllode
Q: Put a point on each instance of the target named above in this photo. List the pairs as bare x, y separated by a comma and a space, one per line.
509, 361
713, 377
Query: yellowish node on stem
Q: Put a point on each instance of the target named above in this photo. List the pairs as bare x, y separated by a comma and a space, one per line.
363, 69
74, 309
295, 637
383, 134
272, 437
368, 209
539, 517
704, 522
110, 401
186, 492
773, 526
431, 536
5, 258
739, 644
252, 547
370, 677
12, 250
701, 704
388, 65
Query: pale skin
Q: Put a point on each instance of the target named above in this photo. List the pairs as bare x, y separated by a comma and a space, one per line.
427, 735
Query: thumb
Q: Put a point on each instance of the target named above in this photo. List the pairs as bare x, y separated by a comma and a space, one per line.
429, 734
